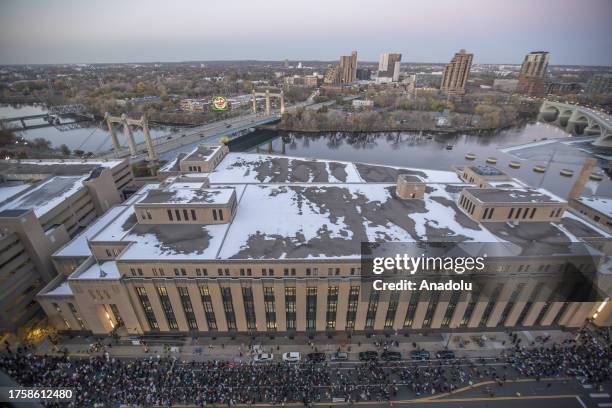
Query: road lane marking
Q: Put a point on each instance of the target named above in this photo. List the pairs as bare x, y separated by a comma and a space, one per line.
599, 395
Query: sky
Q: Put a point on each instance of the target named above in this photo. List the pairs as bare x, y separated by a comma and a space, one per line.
575, 32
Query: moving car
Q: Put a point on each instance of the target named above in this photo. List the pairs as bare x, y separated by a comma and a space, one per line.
419, 355
262, 358
339, 356
292, 357
391, 356
445, 354
316, 357
368, 355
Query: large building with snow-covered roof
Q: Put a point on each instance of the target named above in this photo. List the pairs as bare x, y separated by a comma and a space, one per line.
43, 204
272, 244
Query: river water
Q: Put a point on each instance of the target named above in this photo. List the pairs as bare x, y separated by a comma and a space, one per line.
395, 149
90, 137
558, 151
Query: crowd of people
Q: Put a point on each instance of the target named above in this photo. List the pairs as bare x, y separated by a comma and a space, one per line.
164, 381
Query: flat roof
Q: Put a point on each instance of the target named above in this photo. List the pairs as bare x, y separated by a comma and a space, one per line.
56, 167
104, 270
264, 168
174, 164
9, 190
63, 289
47, 195
514, 195
486, 170
202, 153
602, 205
177, 195
309, 220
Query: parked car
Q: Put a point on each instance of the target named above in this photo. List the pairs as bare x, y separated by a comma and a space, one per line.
316, 357
262, 358
339, 356
292, 357
368, 355
391, 356
445, 354
419, 355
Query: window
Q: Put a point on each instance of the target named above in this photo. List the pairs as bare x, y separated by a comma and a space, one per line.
270, 309
183, 272
148, 214
170, 215
533, 210
176, 272
228, 308
139, 271
311, 308
108, 253
490, 305
167, 307
351, 311
193, 215
215, 214
187, 308
411, 310
178, 215
392, 309
504, 315
511, 213
208, 308
198, 272
290, 296
220, 214
372, 308
450, 309
249, 308
185, 215
431, 308
146, 306
77, 316
332, 307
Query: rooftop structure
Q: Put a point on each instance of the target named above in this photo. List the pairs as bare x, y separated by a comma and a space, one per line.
599, 209
37, 219
287, 230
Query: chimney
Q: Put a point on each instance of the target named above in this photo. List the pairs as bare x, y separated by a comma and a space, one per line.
583, 177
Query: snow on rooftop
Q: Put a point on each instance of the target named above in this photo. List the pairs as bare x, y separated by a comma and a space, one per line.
62, 289
262, 168
330, 221
105, 270
599, 204
178, 195
79, 247
120, 225
202, 152
48, 194
7, 191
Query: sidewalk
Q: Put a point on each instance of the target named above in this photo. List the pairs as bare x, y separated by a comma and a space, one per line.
471, 345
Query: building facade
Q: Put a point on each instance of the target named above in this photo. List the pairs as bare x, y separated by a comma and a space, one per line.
37, 219
456, 73
271, 245
532, 77
348, 68
389, 67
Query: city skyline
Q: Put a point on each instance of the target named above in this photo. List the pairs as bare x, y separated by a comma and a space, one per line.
575, 33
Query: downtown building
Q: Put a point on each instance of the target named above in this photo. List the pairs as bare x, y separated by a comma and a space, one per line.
271, 245
532, 76
456, 73
389, 67
43, 205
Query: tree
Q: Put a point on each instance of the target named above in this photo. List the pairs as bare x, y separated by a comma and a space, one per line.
65, 150
41, 143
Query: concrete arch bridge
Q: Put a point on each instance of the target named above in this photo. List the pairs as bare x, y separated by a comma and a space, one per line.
579, 120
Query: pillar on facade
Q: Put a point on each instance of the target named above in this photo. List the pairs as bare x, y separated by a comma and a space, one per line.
111, 130
147, 137
128, 133
282, 102
267, 101
254, 100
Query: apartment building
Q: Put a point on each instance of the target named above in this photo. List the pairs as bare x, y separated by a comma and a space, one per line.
456, 73
532, 77
61, 199
271, 245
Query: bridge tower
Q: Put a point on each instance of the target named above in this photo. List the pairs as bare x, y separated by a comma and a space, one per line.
267, 95
127, 122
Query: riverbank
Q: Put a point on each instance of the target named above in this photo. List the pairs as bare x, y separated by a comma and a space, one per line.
452, 131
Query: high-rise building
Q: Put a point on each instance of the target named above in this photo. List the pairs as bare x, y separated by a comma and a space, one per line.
389, 67
532, 78
455, 76
599, 84
332, 76
348, 68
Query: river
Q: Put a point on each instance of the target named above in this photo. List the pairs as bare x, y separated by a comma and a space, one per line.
89, 137
558, 151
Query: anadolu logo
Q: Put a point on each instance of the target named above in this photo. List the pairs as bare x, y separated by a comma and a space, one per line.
219, 103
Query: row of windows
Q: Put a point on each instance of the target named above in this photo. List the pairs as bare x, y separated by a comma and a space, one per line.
467, 204
177, 215
332, 308
242, 271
